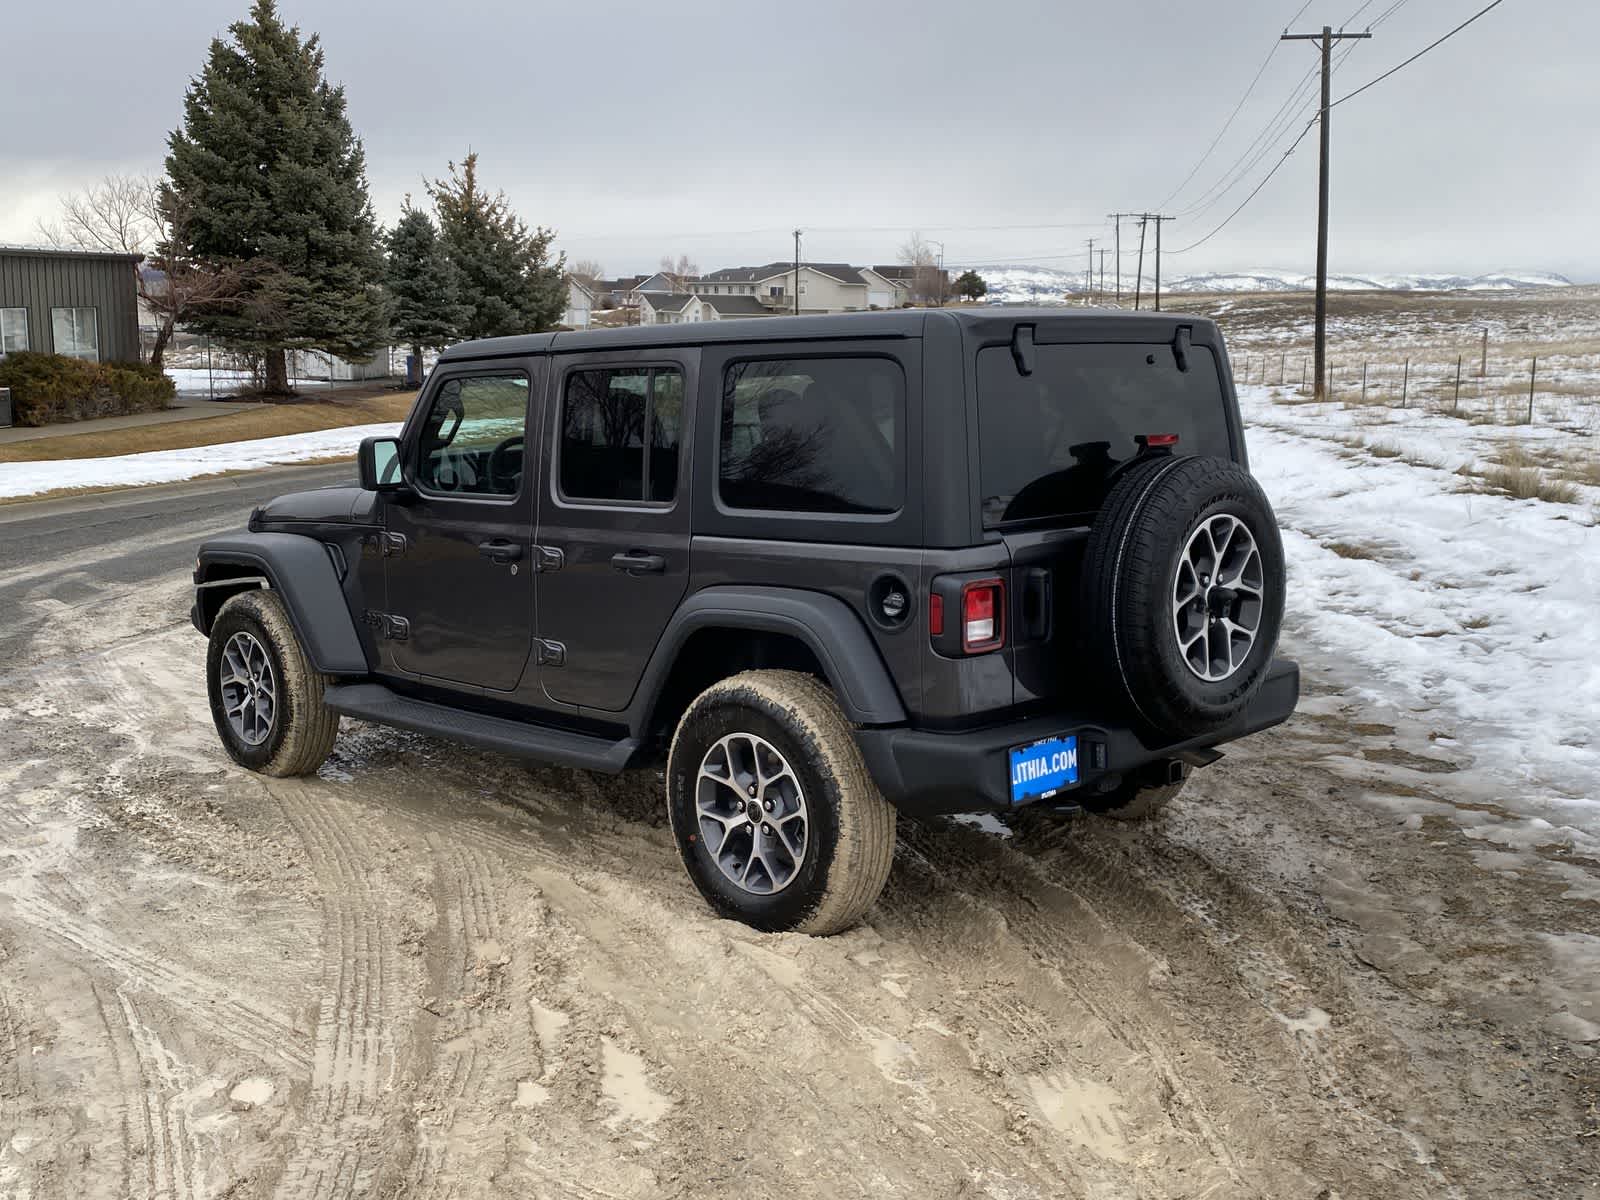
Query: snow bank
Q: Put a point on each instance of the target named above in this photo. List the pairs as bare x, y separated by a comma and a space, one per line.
172, 466
1476, 612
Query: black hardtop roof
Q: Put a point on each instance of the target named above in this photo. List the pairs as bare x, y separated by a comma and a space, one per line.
983, 322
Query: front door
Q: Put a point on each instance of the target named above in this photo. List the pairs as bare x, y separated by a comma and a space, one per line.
458, 563
613, 519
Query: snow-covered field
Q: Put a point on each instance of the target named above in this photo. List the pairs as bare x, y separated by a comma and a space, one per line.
1476, 611
173, 466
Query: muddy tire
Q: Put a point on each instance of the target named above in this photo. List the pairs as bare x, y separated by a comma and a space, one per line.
1182, 594
1131, 802
777, 820
266, 698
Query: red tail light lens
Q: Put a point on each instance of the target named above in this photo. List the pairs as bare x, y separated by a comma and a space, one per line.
1160, 439
983, 615
936, 615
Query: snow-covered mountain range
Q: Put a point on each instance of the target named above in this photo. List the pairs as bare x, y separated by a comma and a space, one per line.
1045, 284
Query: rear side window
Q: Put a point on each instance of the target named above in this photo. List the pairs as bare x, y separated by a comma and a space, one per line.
824, 435
608, 418
1049, 440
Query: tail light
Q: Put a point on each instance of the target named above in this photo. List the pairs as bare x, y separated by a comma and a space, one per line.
983, 609
936, 615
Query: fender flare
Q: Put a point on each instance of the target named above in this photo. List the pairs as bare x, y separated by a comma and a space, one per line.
298, 569
826, 625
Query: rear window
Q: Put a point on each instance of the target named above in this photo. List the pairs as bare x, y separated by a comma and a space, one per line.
1048, 441
824, 435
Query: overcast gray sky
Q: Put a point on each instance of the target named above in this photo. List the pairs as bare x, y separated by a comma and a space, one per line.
713, 128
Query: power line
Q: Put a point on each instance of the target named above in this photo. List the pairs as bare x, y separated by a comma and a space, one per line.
1193, 245
1226, 125
1418, 54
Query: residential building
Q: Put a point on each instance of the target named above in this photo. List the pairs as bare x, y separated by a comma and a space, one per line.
83, 304
686, 308
904, 279
580, 304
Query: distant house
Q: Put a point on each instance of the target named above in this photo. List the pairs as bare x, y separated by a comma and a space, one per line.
823, 287
580, 304
904, 279
618, 293
686, 308
79, 303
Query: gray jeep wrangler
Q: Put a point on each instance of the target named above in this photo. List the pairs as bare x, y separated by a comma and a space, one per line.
824, 568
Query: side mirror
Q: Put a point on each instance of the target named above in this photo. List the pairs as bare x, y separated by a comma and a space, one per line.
378, 464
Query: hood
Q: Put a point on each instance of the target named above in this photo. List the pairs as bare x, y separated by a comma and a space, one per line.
324, 506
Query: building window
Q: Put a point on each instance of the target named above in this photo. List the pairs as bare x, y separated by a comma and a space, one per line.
13, 330
775, 292
76, 332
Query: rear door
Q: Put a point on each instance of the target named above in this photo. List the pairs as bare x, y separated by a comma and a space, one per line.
456, 555
1050, 446
613, 521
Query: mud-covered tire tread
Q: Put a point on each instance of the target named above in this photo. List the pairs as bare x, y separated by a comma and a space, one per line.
309, 727
863, 852
1124, 574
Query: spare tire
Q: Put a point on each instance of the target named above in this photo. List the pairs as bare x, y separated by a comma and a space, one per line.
1182, 593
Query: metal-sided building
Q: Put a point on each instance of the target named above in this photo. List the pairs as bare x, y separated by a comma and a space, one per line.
80, 303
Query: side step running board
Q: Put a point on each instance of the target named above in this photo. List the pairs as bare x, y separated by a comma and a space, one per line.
374, 702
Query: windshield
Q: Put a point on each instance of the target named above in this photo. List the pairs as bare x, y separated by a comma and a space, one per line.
1048, 441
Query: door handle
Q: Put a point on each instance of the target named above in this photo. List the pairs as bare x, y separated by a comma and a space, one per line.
637, 562
500, 551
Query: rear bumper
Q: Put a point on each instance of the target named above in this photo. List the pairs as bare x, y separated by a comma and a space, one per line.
925, 772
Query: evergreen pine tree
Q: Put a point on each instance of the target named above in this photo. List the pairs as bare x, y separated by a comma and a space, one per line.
971, 285
507, 283
272, 182
425, 308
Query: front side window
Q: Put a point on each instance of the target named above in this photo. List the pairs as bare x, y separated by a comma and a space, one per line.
13, 330
473, 439
76, 332
609, 416
820, 435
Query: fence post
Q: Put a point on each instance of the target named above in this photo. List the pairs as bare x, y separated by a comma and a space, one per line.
1330, 381
1455, 405
1405, 383
1302, 374
1363, 383
1283, 361
1483, 363
1533, 373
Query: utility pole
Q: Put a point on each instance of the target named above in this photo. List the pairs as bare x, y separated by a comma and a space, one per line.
1089, 279
1158, 218
1138, 276
1327, 37
1102, 288
941, 272
1116, 219
797, 272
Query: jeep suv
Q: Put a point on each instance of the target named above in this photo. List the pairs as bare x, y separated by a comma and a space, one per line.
826, 569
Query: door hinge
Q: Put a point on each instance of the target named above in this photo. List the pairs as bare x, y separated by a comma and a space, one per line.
549, 654
388, 626
394, 545
548, 558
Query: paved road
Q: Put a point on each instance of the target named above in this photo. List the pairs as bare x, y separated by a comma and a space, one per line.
74, 551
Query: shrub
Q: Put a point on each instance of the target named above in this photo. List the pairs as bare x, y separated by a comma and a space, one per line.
46, 388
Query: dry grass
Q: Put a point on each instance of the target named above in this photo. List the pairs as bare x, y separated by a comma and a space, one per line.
268, 421
1382, 450
1357, 550
1476, 623
1530, 483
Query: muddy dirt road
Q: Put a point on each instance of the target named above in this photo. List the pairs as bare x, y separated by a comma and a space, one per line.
432, 972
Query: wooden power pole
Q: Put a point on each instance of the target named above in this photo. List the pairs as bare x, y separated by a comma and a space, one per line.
1116, 219
1138, 275
1327, 37
1158, 219
797, 272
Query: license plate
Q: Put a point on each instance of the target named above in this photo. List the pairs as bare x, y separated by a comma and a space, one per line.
1042, 769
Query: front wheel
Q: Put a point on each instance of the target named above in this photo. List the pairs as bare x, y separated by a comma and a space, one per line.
777, 820
266, 697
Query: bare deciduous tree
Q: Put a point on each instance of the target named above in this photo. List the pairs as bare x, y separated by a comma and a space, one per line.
927, 282
128, 214
680, 270
585, 270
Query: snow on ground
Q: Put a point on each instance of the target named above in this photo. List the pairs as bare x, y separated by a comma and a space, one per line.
172, 466
1474, 611
197, 381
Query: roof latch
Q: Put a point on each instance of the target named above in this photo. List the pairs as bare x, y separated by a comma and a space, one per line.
1180, 345
1022, 348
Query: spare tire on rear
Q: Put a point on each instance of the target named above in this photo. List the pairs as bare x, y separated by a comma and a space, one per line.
1182, 593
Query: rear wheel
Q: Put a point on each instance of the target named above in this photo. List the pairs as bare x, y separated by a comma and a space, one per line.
266, 698
773, 811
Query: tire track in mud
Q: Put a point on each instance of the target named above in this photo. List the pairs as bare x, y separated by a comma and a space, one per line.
355, 1055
